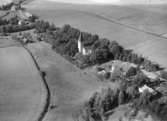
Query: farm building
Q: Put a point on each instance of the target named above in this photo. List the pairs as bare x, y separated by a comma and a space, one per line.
146, 88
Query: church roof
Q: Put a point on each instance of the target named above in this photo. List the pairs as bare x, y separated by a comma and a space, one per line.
80, 37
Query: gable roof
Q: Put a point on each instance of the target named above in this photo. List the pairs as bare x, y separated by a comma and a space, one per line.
145, 87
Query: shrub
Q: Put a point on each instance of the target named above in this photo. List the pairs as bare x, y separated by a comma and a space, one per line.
131, 72
43, 74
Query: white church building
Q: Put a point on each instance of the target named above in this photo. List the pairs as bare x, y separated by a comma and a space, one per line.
81, 48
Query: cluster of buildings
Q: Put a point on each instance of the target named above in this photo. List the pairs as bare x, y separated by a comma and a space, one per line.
115, 69
18, 11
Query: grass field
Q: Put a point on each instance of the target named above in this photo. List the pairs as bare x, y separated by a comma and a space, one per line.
22, 93
133, 27
69, 86
7, 42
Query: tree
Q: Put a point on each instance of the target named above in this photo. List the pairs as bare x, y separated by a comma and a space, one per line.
99, 56
131, 72
71, 48
65, 28
42, 26
144, 99
132, 92
115, 48
7, 6
33, 18
14, 20
163, 74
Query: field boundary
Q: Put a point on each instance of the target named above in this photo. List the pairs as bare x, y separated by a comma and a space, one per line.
47, 100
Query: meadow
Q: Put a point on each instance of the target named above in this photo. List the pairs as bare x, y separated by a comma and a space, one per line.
22, 92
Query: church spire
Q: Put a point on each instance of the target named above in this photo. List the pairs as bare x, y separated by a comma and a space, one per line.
80, 37
80, 43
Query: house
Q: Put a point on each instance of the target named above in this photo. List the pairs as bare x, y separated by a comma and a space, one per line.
23, 22
81, 48
20, 22
103, 72
144, 88
112, 69
23, 17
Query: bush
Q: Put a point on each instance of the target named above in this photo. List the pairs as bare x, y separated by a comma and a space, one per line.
43, 74
131, 72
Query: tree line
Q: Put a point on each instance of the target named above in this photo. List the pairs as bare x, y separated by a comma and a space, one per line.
64, 41
15, 28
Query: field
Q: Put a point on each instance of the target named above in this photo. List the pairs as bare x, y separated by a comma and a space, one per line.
22, 92
69, 86
136, 27
7, 41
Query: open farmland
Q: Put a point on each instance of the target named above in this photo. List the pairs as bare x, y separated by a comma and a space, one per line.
133, 27
22, 92
69, 86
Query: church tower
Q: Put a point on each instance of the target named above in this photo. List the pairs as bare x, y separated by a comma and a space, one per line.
80, 47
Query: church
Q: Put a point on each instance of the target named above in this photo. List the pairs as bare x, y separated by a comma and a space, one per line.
84, 50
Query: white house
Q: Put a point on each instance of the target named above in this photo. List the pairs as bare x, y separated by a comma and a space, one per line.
144, 88
81, 48
112, 69
103, 72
